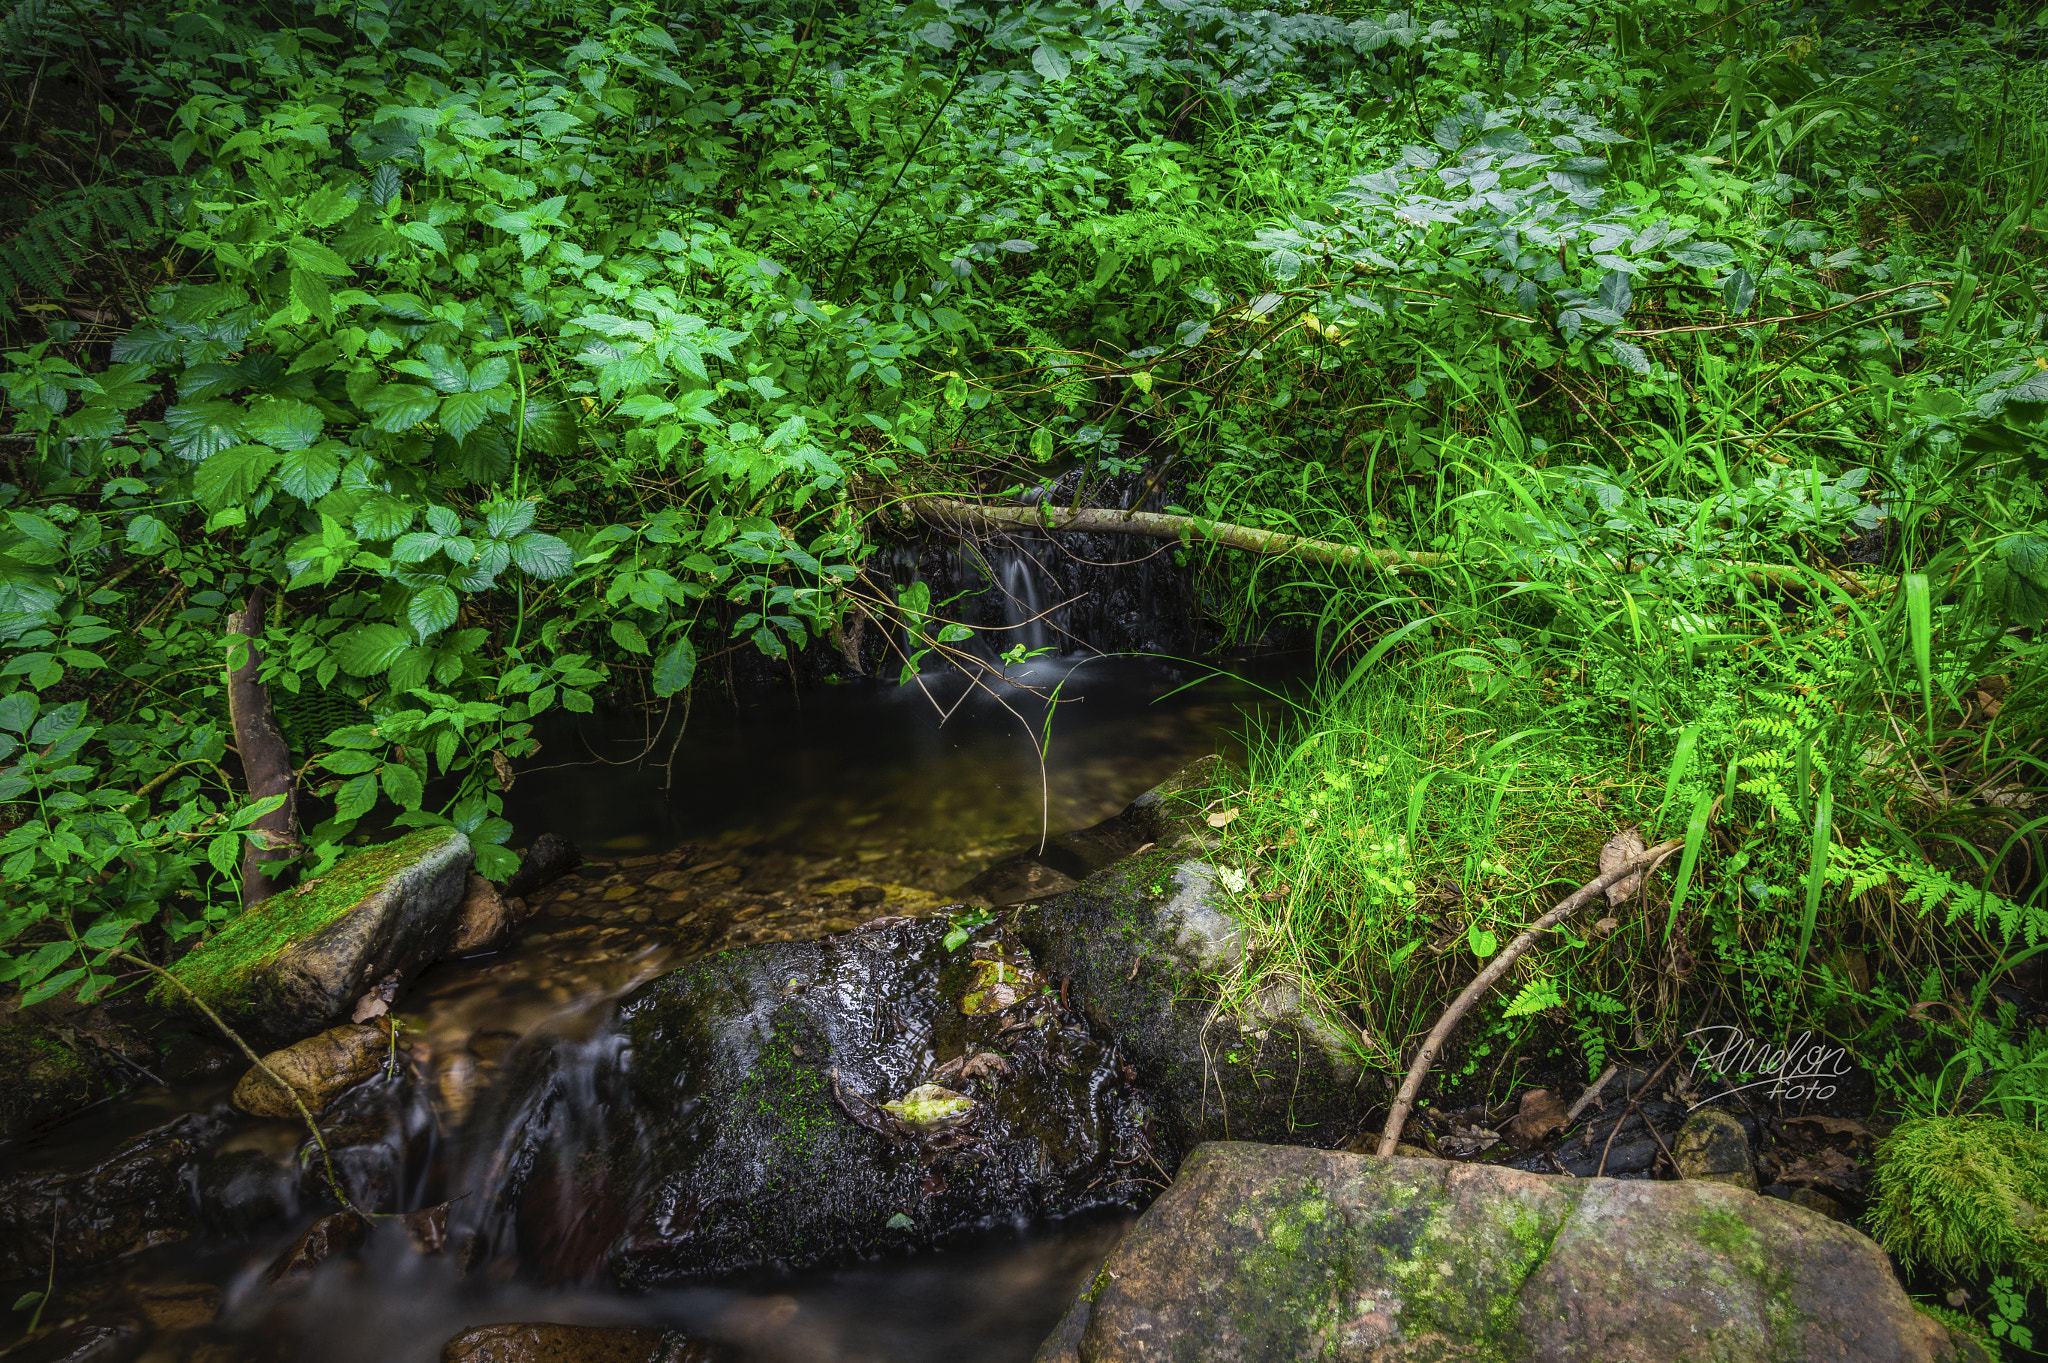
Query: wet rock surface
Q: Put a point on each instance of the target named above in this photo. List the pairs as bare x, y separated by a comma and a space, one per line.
57, 1064
548, 1343
135, 1198
1713, 1146
1138, 948
762, 1079
1274, 1253
317, 1069
300, 960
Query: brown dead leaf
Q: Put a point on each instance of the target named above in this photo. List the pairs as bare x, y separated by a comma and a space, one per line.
1824, 1168
1606, 925
1837, 1126
1617, 852
1222, 817
986, 1063
1542, 1112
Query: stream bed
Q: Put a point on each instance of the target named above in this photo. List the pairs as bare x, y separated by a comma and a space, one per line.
783, 818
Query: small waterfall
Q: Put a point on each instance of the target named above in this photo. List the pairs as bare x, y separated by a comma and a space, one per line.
1024, 615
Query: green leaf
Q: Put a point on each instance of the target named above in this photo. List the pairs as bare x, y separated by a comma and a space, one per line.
550, 426
108, 932
368, 650
403, 785
285, 423
26, 1300
308, 254
397, 406
1482, 942
310, 292
674, 668
628, 636
382, 517
431, 610
2020, 592
230, 478
542, 555
224, 853
1050, 62
351, 762
356, 798
462, 413
505, 519
309, 474
149, 535
203, 428
1704, 255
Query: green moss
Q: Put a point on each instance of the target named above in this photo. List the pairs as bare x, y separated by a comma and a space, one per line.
1964, 1195
218, 969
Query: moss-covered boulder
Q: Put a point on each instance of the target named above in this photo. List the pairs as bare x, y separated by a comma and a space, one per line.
297, 962
1270, 1254
1144, 947
802, 1103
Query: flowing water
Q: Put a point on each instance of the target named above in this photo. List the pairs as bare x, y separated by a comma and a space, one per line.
782, 817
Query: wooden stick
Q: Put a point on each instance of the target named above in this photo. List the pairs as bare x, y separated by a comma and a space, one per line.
1404, 1102
955, 514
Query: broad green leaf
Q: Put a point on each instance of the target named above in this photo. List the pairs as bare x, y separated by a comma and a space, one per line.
505, 519
284, 423
1705, 255
431, 610
628, 636
149, 535
368, 650
396, 406
203, 428
310, 292
309, 474
674, 668
382, 517
402, 785
308, 254
230, 478
356, 798
542, 555
462, 413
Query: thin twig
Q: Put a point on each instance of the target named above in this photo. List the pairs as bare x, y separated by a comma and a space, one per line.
1404, 1102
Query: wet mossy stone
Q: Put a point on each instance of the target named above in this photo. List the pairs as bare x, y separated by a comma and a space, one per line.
749, 1130
297, 962
1270, 1254
48, 1077
1141, 948
137, 1197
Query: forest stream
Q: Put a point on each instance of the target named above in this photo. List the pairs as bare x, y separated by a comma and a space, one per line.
785, 818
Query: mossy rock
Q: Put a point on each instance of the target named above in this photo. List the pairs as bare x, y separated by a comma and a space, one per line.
748, 1126
1270, 1254
1143, 947
297, 962
47, 1078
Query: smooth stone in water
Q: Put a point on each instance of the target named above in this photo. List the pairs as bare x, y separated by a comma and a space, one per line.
545, 1342
136, 1198
1270, 1254
318, 1069
485, 920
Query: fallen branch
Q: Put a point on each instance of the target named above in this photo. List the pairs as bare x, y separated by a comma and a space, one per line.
1404, 1101
955, 514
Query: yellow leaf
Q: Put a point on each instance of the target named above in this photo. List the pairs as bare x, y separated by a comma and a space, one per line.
1222, 817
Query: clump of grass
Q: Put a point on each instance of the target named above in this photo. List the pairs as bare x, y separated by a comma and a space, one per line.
1401, 832
1964, 1196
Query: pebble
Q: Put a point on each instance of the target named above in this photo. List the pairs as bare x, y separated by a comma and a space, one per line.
622, 891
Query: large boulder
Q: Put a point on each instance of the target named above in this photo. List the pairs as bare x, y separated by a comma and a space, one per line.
298, 962
1142, 948
810, 1102
1264, 1254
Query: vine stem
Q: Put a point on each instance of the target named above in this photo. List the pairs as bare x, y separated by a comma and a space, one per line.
1404, 1102
312, 1125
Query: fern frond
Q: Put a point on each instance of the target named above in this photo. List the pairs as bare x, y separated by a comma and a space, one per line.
21, 25
49, 248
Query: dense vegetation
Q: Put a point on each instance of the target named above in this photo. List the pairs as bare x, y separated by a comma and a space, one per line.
1681, 369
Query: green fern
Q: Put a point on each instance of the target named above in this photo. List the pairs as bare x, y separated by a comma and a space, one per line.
25, 22
48, 249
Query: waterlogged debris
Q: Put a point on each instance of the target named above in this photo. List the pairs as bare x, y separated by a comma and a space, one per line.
900, 1222
1541, 1113
997, 985
929, 1107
